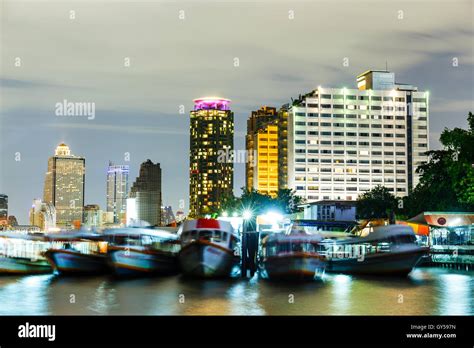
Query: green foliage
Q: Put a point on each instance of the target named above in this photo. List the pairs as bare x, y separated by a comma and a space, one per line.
285, 202
447, 179
377, 203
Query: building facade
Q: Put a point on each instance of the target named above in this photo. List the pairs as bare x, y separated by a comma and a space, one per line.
117, 191
343, 142
261, 168
92, 215
3, 209
211, 156
283, 146
145, 195
331, 211
43, 215
65, 185
167, 215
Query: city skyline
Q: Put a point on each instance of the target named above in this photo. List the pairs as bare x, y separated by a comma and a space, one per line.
144, 115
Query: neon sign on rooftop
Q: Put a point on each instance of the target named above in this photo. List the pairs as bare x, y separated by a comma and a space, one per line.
211, 103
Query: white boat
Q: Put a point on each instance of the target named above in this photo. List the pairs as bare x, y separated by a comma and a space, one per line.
78, 253
23, 254
209, 248
142, 251
293, 256
389, 249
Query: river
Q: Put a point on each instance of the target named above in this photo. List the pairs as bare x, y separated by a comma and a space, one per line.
426, 291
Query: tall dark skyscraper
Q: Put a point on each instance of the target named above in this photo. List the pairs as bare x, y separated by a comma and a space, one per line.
145, 195
117, 191
211, 155
64, 185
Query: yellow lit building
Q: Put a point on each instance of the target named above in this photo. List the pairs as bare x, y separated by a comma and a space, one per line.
211, 155
262, 149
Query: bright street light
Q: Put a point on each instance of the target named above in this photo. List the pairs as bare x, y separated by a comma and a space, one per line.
247, 214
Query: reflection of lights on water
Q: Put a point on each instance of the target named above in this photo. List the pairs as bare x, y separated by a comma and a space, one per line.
244, 300
456, 294
32, 290
341, 289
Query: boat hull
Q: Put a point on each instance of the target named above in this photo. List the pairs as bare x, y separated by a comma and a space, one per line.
393, 263
294, 267
75, 262
207, 260
19, 265
129, 262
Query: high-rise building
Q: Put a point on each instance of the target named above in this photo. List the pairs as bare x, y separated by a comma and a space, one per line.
343, 142
43, 215
262, 148
3, 209
167, 215
117, 191
145, 194
92, 215
211, 155
64, 186
283, 147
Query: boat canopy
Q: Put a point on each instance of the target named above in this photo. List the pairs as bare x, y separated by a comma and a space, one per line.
381, 233
292, 238
25, 236
206, 224
75, 236
136, 232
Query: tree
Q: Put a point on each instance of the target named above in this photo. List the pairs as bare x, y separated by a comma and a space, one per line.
285, 202
377, 203
447, 179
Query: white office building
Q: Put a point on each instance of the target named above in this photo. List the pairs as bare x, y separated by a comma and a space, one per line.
342, 142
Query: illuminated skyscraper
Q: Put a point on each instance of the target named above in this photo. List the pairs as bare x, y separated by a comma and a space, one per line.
117, 191
211, 155
283, 147
3, 209
262, 149
145, 195
64, 186
343, 142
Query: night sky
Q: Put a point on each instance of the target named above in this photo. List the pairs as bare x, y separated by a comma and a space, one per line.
173, 61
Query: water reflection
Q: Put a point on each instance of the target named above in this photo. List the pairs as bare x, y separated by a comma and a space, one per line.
455, 294
426, 291
341, 290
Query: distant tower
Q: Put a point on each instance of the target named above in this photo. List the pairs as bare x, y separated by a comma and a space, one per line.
64, 185
145, 194
117, 191
43, 215
3, 209
211, 149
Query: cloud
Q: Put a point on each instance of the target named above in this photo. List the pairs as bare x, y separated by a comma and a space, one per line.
92, 126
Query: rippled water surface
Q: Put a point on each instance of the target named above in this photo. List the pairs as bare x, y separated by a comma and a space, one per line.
426, 291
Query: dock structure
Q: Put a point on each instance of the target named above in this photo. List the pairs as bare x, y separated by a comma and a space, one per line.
250, 242
452, 256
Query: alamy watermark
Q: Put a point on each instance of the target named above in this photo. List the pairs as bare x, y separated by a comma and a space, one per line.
68, 108
237, 156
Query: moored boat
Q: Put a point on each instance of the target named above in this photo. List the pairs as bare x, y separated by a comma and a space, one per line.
294, 256
142, 251
78, 253
389, 249
22, 254
209, 248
